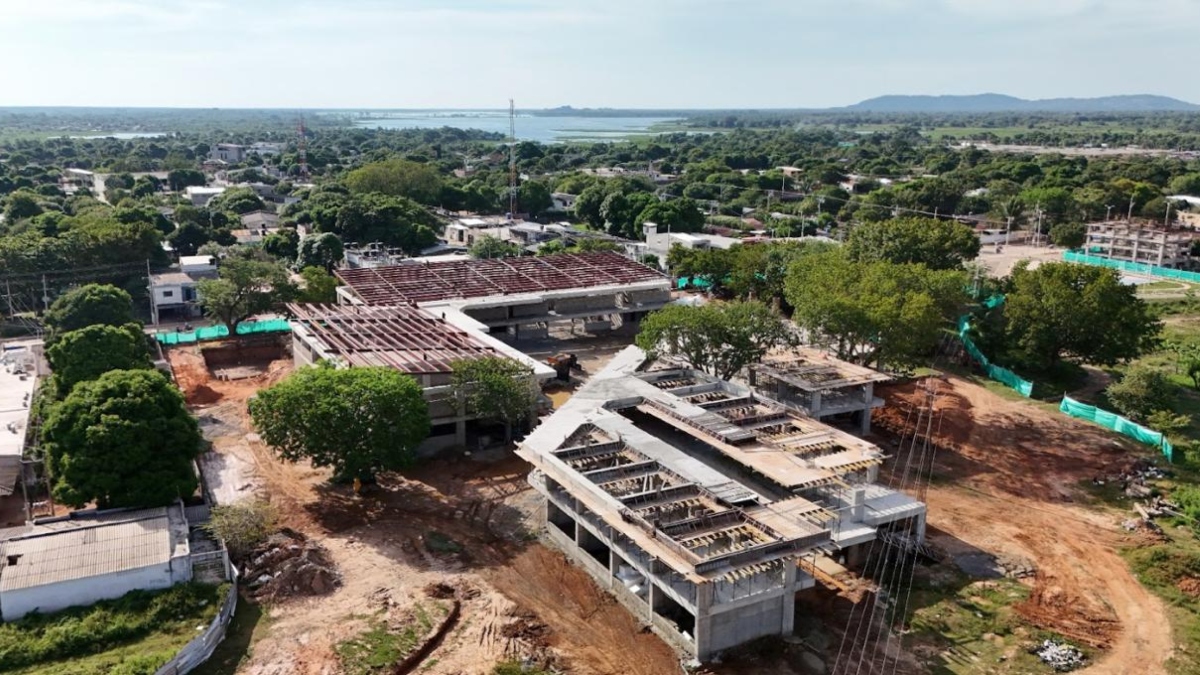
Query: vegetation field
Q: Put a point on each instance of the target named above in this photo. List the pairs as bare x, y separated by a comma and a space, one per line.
132, 635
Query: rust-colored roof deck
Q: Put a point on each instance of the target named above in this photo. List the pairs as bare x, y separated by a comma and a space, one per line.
404, 337
433, 282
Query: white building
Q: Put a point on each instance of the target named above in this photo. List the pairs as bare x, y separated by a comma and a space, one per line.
69, 562
263, 149
228, 152
200, 195
176, 291
562, 202
18, 378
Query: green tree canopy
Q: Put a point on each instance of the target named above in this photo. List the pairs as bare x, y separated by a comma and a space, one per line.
879, 313
533, 197
319, 286
322, 250
488, 246
1068, 235
283, 244
1075, 311
1141, 392
90, 305
718, 338
356, 421
237, 200
122, 440
398, 178
86, 354
244, 287
495, 388
937, 243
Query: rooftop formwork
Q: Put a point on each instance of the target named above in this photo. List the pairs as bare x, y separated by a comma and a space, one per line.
701, 505
819, 384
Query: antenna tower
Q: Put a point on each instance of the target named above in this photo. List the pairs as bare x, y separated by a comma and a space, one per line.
302, 148
512, 159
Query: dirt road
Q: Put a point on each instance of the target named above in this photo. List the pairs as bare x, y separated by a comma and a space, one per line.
1008, 484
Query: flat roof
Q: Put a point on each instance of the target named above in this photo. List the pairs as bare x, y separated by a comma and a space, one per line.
432, 282
403, 337
86, 548
16, 395
813, 370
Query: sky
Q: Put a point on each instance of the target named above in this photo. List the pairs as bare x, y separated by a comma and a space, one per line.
585, 53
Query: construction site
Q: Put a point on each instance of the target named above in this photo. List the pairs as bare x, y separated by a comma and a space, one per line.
813, 516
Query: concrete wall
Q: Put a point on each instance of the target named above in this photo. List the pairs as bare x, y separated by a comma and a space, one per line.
733, 627
78, 592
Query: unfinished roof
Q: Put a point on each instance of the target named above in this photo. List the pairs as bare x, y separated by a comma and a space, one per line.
90, 550
812, 370
403, 337
420, 283
17, 382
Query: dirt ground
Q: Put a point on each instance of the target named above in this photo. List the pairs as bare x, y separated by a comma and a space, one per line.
465, 522
1006, 481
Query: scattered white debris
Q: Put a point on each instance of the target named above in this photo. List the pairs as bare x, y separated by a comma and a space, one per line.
1060, 656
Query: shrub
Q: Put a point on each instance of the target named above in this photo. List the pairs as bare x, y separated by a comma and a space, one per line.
243, 525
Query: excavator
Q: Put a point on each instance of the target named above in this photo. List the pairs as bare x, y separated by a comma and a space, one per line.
563, 364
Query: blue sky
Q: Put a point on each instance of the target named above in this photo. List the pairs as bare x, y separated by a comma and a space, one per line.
585, 53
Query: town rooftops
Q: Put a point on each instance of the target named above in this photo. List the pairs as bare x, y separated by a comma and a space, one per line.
433, 282
17, 381
77, 549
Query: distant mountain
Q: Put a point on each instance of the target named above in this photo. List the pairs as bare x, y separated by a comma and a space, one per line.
987, 103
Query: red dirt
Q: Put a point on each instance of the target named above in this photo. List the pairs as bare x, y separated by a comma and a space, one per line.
1014, 470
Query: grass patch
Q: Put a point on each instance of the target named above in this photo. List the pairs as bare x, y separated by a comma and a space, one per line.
381, 646
134, 634
515, 667
1163, 569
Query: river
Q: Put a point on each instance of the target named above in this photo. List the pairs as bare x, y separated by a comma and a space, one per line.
539, 128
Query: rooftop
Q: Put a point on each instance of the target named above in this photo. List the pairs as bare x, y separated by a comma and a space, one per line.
76, 549
17, 381
432, 282
403, 337
813, 370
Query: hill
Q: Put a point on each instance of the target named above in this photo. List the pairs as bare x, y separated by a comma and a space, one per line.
986, 103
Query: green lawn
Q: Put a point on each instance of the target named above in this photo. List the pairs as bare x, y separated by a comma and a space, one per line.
132, 635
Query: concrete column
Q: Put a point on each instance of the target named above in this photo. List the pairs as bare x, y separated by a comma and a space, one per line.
460, 432
789, 600
919, 528
815, 404
703, 632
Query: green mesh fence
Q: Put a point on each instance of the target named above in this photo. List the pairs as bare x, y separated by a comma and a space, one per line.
1118, 424
1136, 268
218, 332
995, 372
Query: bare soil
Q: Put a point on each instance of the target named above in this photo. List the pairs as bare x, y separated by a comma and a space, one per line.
463, 523
1007, 482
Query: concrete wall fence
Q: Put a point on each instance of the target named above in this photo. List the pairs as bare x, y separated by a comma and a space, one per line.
202, 647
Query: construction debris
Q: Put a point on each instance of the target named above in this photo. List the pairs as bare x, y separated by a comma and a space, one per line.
289, 564
1060, 656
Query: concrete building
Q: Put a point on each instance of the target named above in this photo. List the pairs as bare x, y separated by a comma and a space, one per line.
523, 296
703, 506
562, 202
228, 152
200, 195
411, 340
264, 149
175, 291
819, 385
74, 561
1132, 242
18, 379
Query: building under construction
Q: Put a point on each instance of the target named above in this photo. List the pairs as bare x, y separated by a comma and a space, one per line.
819, 385
703, 506
1131, 242
519, 296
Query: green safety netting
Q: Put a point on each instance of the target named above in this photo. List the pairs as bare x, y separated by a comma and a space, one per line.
1136, 268
218, 332
695, 282
1118, 424
995, 372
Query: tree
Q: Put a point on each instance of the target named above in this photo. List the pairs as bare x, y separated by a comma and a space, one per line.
495, 388
719, 339
675, 215
189, 237
356, 421
90, 305
937, 243
319, 286
283, 244
180, 179
1193, 371
122, 440
493, 247
398, 178
243, 525
86, 354
1068, 235
1076, 311
759, 271
1142, 391
244, 288
322, 250
534, 197
237, 200
877, 312
21, 205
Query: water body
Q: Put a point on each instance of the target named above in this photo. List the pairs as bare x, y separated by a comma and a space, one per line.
529, 127
124, 135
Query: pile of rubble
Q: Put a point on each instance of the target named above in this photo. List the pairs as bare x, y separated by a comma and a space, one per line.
1060, 656
289, 564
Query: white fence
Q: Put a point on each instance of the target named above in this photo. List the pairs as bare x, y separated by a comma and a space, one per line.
200, 649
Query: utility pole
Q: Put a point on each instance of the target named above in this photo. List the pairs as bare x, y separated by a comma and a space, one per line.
1132, 199
512, 159
8, 292
1167, 220
1108, 214
150, 289
45, 294
1008, 230
1037, 238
